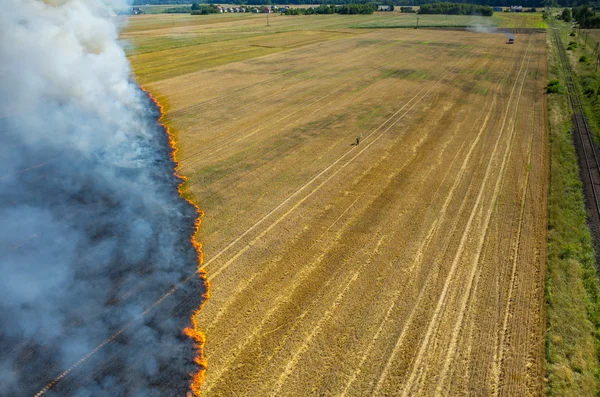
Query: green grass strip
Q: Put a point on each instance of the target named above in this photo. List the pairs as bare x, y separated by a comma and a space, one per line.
572, 294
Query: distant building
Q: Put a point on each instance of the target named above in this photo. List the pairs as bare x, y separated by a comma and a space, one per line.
384, 8
516, 8
497, 9
136, 11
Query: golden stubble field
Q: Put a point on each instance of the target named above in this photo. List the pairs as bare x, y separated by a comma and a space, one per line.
410, 264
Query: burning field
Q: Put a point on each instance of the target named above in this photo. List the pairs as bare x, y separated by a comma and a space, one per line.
411, 263
407, 261
99, 277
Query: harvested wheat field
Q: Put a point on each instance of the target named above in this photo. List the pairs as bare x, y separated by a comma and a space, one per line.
409, 264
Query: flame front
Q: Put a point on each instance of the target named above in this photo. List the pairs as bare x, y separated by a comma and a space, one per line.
193, 332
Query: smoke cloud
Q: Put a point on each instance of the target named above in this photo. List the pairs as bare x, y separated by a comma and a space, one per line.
479, 24
92, 230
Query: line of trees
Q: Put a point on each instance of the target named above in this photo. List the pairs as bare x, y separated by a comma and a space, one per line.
178, 10
456, 9
585, 16
367, 8
357, 9
204, 9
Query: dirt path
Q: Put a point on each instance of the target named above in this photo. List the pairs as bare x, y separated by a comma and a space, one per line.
410, 264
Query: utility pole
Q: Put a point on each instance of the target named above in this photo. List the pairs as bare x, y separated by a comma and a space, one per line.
417, 27
268, 11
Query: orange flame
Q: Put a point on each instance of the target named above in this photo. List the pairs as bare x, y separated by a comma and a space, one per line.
193, 332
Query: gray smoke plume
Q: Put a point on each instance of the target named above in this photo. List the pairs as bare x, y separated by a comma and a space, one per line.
479, 24
92, 230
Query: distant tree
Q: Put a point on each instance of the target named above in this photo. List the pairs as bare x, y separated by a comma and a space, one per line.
566, 15
581, 13
195, 7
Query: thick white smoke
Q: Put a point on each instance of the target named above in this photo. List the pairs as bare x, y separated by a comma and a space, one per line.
92, 231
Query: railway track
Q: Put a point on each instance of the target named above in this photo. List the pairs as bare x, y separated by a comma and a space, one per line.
587, 151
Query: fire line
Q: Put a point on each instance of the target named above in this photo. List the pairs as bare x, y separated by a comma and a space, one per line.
194, 331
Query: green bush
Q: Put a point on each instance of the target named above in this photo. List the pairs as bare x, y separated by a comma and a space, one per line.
572, 45
589, 86
554, 87
583, 58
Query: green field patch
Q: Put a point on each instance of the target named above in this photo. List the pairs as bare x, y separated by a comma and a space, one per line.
480, 89
419, 75
447, 45
424, 21
162, 64
517, 20
367, 42
367, 115
498, 20
147, 44
397, 73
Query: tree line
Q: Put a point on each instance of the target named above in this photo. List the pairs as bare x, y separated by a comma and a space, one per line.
348, 9
586, 17
456, 9
204, 9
